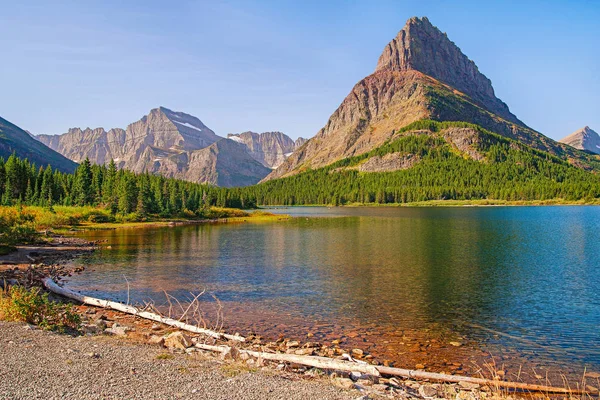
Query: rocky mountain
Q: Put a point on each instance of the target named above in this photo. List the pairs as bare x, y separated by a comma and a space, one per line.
173, 144
162, 131
583, 139
19, 141
420, 75
269, 148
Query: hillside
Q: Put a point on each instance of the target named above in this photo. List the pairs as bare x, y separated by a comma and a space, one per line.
430, 160
15, 140
420, 74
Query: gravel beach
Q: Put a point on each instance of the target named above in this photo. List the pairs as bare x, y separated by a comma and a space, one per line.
36, 364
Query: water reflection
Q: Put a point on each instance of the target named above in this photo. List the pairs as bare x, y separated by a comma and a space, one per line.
521, 278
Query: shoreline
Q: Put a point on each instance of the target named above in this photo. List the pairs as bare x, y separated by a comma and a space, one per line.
61, 254
450, 203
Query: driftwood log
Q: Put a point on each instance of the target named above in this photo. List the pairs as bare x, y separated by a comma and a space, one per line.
53, 287
312, 361
377, 370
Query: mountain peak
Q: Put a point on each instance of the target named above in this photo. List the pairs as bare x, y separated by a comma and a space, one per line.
422, 47
583, 139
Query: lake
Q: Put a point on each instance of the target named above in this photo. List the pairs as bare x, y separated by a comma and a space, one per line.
451, 287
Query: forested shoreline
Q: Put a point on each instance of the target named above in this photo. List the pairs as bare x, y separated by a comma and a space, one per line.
510, 171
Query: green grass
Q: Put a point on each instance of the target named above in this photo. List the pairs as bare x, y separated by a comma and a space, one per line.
65, 218
33, 306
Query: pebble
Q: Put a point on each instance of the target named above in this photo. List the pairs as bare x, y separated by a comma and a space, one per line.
427, 391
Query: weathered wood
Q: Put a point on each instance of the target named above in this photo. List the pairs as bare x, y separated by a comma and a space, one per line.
312, 361
53, 287
376, 370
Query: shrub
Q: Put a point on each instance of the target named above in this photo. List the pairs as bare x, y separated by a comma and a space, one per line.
18, 303
17, 225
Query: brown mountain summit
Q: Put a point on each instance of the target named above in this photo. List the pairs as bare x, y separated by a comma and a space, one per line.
420, 74
583, 139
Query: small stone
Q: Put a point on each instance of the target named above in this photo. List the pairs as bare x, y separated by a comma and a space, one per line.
155, 339
419, 366
344, 383
309, 335
335, 342
456, 344
93, 355
357, 352
90, 329
178, 340
117, 329
231, 353
155, 327
427, 391
293, 343
365, 382
304, 352
355, 376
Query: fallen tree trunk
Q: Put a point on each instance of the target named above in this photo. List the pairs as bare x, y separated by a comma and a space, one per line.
53, 287
376, 370
312, 361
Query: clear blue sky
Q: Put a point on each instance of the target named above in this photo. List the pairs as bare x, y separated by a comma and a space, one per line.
278, 65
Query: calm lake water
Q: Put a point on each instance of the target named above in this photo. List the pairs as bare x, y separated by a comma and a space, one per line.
520, 283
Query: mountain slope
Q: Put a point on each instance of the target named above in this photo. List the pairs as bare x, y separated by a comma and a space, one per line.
583, 139
15, 139
431, 160
420, 75
269, 148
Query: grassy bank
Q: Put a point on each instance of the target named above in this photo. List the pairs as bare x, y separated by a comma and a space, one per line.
20, 224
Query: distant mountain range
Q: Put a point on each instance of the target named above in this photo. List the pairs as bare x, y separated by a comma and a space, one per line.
583, 139
178, 145
16, 140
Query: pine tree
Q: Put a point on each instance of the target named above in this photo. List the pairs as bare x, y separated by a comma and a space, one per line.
83, 193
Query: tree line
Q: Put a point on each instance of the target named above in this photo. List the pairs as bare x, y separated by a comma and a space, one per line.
120, 191
510, 171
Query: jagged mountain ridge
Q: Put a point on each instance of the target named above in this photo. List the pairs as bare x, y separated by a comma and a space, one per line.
420, 75
19, 141
173, 132
165, 142
269, 148
583, 139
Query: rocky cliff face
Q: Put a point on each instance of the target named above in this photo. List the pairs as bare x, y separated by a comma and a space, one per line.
269, 148
420, 46
162, 129
421, 74
583, 139
173, 144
